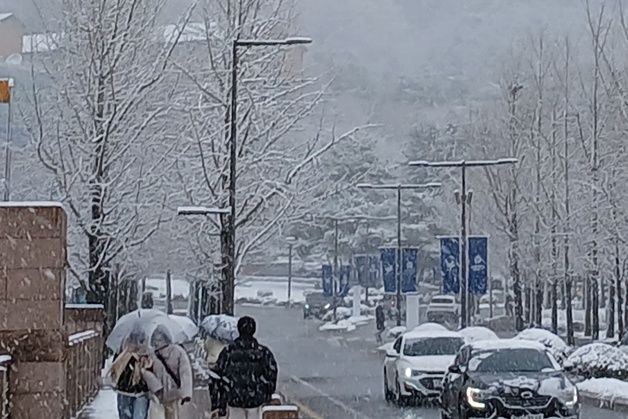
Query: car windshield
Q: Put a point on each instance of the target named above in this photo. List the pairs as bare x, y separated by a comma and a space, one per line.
512, 360
432, 346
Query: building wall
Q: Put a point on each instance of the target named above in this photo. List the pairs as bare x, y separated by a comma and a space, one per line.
11, 33
32, 275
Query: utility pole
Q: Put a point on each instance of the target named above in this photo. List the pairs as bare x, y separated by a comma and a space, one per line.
291, 241
463, 165
398, 187
229, 222
169, 308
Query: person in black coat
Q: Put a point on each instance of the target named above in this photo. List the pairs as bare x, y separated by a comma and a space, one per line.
250, 370
380, 321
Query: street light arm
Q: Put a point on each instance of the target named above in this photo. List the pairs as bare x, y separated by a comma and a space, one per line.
400, 186
272, 42
202, 211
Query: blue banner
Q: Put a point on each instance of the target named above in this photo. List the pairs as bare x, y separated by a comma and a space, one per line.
389, 269
344, 282
328, 281
478, 265
450, 264
361, 276
373, 279
409, 270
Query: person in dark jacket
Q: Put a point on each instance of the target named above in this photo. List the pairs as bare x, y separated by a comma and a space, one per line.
251, 372
380, 321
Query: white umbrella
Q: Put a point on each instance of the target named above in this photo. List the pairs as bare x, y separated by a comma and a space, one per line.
188, 326
145, 320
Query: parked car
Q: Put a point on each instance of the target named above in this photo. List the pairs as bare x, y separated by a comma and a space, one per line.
316, 305
507, 378
443, 309
415, 366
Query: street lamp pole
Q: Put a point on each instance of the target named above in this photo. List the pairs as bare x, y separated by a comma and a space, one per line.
291, 241
463, 165
398, 187
228, 259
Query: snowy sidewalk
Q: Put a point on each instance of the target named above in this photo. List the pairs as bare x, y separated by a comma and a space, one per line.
104, 406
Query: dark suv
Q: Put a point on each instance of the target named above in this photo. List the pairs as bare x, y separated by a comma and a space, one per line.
507, 378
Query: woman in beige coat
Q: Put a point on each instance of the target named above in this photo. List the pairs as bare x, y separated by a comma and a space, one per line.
172, 368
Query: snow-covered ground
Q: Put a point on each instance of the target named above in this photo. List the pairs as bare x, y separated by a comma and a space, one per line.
103, 406
605, 390
272, 290
180, 287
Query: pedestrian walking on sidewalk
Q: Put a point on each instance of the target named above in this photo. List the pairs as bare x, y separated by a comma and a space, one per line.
380, 321
251, 371
128, 371
171, 366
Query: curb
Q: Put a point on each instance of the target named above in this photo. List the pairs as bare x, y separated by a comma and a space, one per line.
617, 404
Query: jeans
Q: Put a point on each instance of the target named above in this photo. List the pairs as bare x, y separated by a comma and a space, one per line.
130, 407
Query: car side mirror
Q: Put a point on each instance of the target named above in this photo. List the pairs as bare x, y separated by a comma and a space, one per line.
391, 353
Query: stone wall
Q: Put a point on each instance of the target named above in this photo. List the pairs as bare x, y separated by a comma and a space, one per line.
32, 279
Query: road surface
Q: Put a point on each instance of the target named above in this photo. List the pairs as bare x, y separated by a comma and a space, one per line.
334, 376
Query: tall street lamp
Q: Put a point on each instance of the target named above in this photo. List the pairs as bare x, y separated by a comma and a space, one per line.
398, 187
463, 165
230, 230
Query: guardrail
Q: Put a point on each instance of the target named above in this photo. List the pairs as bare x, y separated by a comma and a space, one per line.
5, 393
84, 354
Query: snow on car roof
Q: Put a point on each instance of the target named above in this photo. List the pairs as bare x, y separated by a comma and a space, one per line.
433, 333
496, 344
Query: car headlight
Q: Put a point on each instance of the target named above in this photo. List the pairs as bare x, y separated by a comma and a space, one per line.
327, 306
408, 372
475, 397
307, 306
569, 396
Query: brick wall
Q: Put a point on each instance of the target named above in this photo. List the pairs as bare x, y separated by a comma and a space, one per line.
32, 279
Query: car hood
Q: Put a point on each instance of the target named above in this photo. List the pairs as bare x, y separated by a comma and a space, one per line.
432, 363
542, 383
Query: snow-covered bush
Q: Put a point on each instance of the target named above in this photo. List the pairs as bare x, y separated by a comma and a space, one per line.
598, 360
555, 344
264, 293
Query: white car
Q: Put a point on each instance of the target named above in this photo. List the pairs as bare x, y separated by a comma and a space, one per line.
414, 368
443, 309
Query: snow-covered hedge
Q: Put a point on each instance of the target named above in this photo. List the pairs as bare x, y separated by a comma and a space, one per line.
555, 344
598, 360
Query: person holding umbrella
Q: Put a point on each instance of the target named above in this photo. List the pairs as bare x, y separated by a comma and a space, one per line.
171, 365
128, 372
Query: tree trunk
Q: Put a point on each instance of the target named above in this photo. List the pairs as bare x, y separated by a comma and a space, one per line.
618, 290
595, 310
610, 317
587, 305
